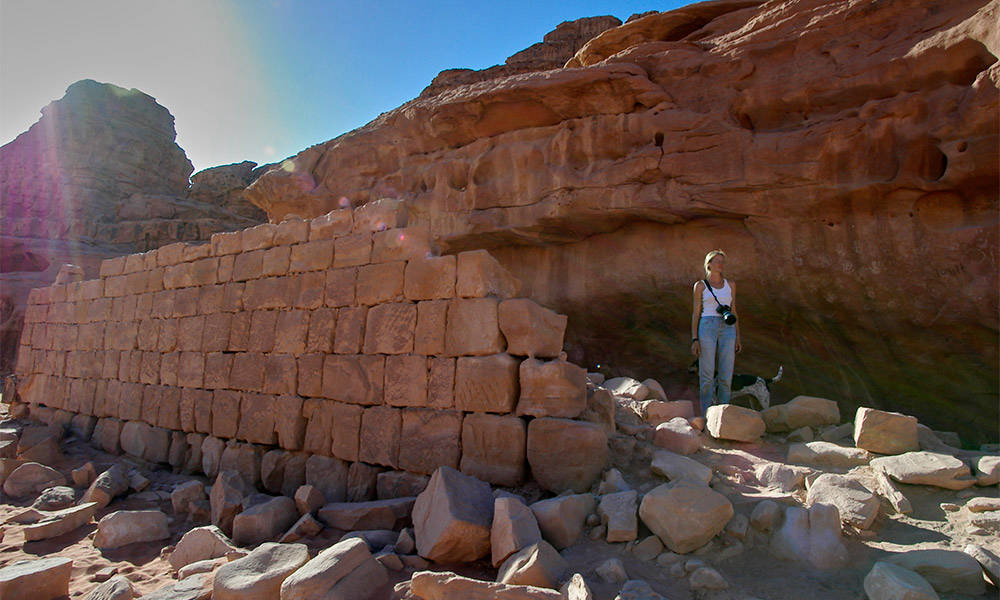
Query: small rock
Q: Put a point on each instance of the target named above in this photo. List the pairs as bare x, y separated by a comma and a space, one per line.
514, 527
405, 542
137, 481
987, 470
308, 499
114, 588
56, 523
84, 476
612, 482
857, 504
374, 514
636, 589
539, 565
981, 504
648, 549
618, 513
265, 521
765, 516
684, 515
226, 499
987, 559
429, 584
259, 575
198, 544
124, 527
561, 519
826, 454
612, 571
677, 435
707, 578
887, 581
184, 494
598, 532
950, 507
676, 467
731, 422
36, 579
390, 561
55, 498
31, 478
802, 434
668, 558
307, 526
106, 487
104, 574
201, 566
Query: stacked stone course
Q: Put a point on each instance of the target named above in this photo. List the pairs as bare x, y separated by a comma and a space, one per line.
344, 336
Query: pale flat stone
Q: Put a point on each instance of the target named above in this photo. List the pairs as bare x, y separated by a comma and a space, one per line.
31, 478
827, 454
945, 570
987, 559
736, 423
198, 544
685, 515
538, 565
38, 579
926, 468
885, 432
887, 581
428, 585
115, 588
265, 521
259, 575
64, 521
857, 504
801, 411
679, 468
345, 570
677, 435
124, 527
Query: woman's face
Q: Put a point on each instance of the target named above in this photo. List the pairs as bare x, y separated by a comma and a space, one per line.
717, 264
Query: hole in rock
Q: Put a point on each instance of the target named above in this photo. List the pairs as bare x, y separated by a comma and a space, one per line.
658, 139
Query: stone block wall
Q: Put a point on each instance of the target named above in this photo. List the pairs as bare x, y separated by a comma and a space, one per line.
344, 336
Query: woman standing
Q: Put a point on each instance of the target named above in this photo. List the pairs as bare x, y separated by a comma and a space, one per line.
714, 341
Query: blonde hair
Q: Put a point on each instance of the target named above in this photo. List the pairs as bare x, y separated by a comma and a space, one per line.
710, 256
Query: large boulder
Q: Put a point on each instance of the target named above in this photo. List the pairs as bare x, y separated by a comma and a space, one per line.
538, 565
259, 574
857, 504
885, 432
31, 478
514, 527
553, 467
561, 519
887, 581
554, 388
265, 521
124, 527
373, 514
345, 570
827, 455
200, 543
731, 422
926, 468
452, 517
38, 579
801, 411
946, 570
684, 515
680, 468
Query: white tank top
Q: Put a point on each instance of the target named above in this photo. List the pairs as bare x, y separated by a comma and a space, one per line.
708, 303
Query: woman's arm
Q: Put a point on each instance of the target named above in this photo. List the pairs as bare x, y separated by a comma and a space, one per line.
732, 307
695, 317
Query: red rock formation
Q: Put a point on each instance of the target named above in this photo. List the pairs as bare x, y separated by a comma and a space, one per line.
100, 175
843, 153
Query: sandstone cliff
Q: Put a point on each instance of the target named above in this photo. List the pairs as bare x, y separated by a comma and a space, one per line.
100, 175
843, 153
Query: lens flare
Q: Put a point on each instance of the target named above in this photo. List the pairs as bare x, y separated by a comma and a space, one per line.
288, 165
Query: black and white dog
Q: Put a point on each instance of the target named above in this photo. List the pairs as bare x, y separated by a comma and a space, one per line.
748, 385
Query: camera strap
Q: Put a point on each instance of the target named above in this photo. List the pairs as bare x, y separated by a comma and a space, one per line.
709, 285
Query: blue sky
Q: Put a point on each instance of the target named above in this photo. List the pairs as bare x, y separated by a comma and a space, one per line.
262, 79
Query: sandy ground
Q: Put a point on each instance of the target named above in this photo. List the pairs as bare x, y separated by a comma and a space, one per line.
753, 573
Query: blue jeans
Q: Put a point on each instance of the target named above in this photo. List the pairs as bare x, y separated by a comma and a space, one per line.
715, 363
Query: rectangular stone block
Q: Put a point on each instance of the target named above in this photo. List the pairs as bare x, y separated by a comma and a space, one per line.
226, 265
216, 333
186, 302
189, 333
400, 244
232, 297
91, 336
430, 439
217, 367
332, 224
279, 374
291, 331
480, 275
289, 424
340, 288
144, 306
210, 299
191, 402
166, 334
203, 410
291, 231
228, 242
149, 409
115, 286
225, 413
310, 375
308, 289
248, 265
239, 331
354, 379
168, 414
171, 254
406, 380
262, 330
257, 419
554, 388
276, 261
319, 416
350, 330
163, 304
149, 371
430, 278
154, 280
530, 329
259, 237
137, 283
192, 251
122, 309
248, 372
486, 383
389, 328
203, 272
191, 369
272, 292
100, 310
109, 368
169, 365
112, 266
91, 289
322, 324
352, 250
148, 335
346, 430
473, 328
494, 448
380, 283
380, 432
311, 256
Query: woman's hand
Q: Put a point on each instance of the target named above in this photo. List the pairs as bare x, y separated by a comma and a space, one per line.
739, 346
696, 348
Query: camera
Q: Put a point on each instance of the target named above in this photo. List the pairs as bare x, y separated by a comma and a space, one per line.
727, 314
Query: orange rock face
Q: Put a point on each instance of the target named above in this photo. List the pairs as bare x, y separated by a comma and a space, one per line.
842, 153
